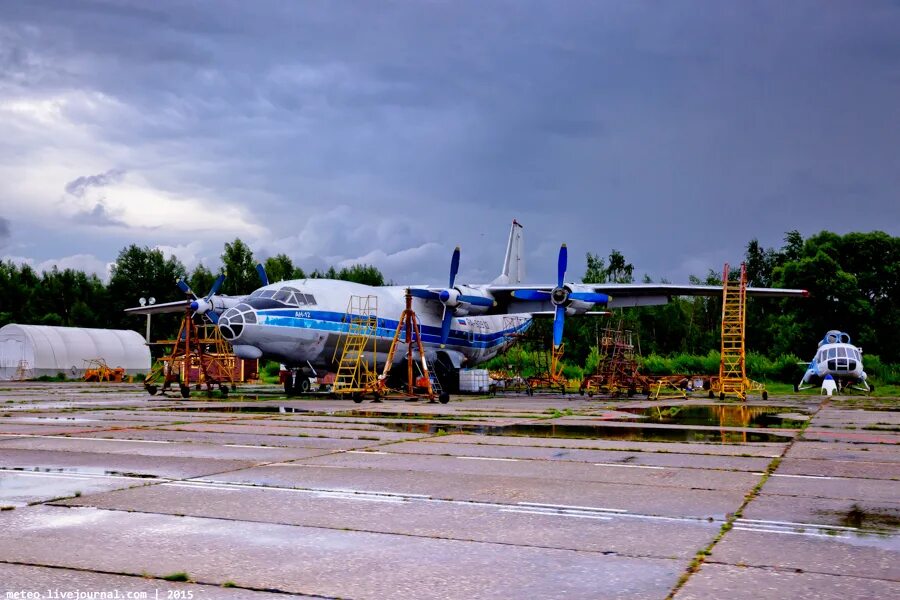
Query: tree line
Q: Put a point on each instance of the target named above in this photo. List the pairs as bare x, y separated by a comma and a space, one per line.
76, 299
853, 280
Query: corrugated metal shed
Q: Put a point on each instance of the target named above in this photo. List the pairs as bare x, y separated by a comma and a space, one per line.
36, 350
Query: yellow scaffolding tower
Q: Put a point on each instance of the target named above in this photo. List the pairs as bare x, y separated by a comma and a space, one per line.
357, 370
733, 379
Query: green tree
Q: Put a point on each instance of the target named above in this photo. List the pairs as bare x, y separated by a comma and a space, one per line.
141, 272
201, 280
365, 274
281, 268
240, 269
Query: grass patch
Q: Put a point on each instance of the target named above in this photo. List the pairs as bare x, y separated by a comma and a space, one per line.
177, 576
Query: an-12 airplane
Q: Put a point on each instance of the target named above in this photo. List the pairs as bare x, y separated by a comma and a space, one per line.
300, 322
840, 359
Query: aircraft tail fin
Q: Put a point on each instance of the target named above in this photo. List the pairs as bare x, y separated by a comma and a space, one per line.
514, 263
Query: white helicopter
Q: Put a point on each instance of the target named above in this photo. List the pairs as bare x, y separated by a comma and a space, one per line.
300, 323
840, 359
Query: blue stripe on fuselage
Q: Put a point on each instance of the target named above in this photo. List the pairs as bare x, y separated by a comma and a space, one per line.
335, 321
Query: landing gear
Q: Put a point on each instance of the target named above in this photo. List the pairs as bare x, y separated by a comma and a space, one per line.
152, 389
296, 382
185, 390
444, 398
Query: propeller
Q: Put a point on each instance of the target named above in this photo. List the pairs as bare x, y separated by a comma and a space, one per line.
450, 297
261, 271
203, 305
560, 296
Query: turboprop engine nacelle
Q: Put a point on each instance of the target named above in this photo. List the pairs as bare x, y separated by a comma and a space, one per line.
464, 300
214, 303
562, 296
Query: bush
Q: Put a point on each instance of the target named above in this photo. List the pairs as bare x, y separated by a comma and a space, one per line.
883, 373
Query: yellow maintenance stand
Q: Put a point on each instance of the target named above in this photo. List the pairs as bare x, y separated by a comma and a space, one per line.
357, 373
732, 380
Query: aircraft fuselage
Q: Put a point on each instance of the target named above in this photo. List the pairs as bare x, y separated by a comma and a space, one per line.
305, 321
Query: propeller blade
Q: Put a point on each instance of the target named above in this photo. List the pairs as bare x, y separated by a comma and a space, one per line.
424, 294
561, 265
476, 300
538, 295
445, 325
184, 287
213, 317
593, 298
261, 271
215, 286
559, 322
454, 266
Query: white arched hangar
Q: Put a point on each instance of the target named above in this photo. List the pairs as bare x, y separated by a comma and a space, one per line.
30, 351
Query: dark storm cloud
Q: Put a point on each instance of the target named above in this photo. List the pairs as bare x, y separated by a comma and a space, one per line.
674, 132
79, 187
97, 216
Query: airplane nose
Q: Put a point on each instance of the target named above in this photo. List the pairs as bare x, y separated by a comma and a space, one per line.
231, 323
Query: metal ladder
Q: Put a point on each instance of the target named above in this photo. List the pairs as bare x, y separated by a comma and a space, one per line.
732, 368
354, 373
432, 375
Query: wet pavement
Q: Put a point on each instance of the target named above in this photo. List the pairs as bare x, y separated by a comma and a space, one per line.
103, 488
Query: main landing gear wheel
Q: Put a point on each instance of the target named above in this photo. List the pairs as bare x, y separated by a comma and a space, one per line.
223, 389
444, 398
152, 389
303, 385
765, 395
288, 385
185, 391
356, 397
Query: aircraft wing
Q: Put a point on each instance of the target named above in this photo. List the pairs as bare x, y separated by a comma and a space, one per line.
156, 309
632, 294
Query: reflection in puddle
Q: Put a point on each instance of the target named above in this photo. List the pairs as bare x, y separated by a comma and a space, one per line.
20, 486
720, 415
50, 419
870, 519
635, 434
244, 408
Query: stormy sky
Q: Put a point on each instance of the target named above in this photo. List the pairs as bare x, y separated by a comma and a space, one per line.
389, 132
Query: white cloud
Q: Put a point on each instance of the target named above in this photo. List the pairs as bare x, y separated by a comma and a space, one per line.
78, 262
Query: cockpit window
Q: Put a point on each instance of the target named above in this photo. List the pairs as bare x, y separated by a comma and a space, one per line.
842, 352
831, 353
284, 295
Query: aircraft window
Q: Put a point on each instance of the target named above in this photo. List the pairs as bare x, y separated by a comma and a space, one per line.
256, 294
831, 353
267, 293
284, 295
856, 354
842, 352
310, 299
821, 356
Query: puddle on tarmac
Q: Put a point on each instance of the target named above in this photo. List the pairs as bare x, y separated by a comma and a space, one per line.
634, 434
50, 420
20, 486
869, 519
97, 471
244, 408
719, 415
